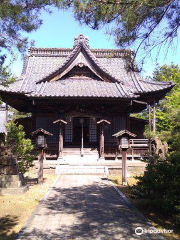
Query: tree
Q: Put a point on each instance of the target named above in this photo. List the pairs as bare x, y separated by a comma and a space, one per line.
161, 182
133, 20
160, 185
146, 22
6, 77
168, 109
17, 18
21, 147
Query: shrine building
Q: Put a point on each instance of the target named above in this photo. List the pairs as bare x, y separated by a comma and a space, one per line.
92, 92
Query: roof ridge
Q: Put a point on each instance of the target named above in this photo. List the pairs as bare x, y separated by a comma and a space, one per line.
138, 81
38, 51
135, 81
156, 82
29, 67
120, 89
92, 49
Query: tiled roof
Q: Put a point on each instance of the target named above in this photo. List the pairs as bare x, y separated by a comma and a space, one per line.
79, 87
44, 65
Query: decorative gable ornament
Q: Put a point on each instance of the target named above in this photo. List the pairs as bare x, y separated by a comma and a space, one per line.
81, 39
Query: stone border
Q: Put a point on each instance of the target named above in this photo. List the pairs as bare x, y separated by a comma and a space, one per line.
36, 209
130, 205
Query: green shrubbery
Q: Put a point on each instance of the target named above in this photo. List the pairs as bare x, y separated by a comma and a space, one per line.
161, 182
161, 185
21, 147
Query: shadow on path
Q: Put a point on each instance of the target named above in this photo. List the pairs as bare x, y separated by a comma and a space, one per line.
6, 225
80, 208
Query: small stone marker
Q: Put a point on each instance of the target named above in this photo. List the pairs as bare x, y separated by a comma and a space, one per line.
11, 181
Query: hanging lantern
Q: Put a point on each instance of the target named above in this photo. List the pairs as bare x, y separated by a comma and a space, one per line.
41, 141
124, 142
41, 136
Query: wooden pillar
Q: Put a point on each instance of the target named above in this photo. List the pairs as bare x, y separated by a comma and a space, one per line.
60, 148
6, 120
132, 150
154, 117
40, 166
101, 124
82, 138
102, 142
149, 110
60, 154
124, 167
6, 113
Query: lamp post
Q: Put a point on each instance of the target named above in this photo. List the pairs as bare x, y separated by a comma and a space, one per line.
41, 136
124, 144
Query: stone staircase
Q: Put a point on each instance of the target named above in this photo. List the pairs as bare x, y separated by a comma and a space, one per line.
81, 170
73, 162
74, 154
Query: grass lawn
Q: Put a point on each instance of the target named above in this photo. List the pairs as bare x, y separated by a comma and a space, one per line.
157, 219
15, 210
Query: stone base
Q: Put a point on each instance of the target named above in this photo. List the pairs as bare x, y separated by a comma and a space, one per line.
12, 184
124, 183
13, 191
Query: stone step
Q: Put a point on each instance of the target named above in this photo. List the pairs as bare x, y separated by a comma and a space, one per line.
73, 158
82, 170
79, 153
86, 149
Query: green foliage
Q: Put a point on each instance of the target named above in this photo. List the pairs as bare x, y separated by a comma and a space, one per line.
22, 148
167, 73
168, 110
128, 21
149, 23
161, 184
6, 77
17, 18
16, 114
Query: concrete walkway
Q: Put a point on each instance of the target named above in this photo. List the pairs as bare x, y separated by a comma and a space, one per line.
85, 207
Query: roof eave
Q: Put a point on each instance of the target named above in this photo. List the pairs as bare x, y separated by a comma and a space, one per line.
165, 90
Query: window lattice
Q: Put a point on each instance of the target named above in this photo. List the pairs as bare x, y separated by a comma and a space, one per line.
69, 131
47, 124
92, 130
117, 124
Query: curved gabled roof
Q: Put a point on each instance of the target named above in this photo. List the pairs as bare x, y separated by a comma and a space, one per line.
81, 55
45, 74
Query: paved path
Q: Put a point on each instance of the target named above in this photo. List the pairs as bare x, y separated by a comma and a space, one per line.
85, 207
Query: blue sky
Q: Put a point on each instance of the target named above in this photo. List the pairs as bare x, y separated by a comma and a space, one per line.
60, 28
